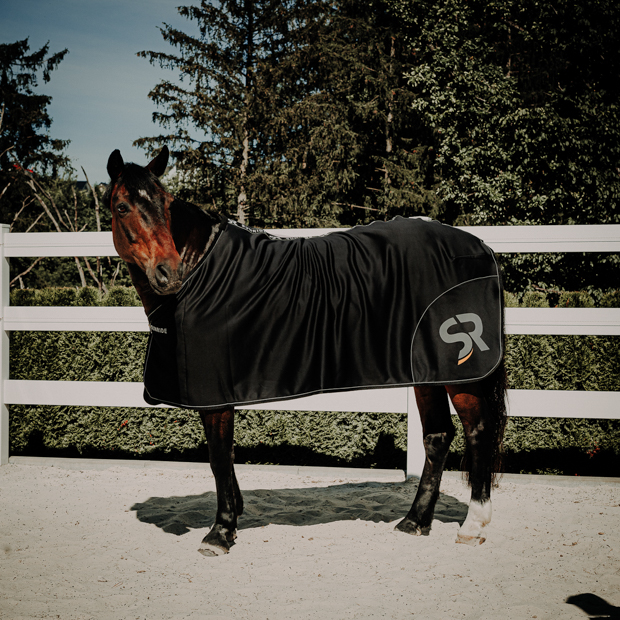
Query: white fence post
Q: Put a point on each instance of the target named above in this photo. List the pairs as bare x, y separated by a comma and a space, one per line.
5, 276
415, 439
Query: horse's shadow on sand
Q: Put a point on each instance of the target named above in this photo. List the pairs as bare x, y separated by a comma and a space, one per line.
368, 501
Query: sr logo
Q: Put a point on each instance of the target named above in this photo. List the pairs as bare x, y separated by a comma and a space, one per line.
467, 338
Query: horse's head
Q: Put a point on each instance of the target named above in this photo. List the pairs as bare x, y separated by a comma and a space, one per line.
141, 221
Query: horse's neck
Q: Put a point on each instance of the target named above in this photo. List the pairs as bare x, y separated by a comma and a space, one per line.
149, 298
193, 231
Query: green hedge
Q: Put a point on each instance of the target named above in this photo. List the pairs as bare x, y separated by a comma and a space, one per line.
320, 438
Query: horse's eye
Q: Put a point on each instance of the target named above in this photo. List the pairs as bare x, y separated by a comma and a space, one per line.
122, 208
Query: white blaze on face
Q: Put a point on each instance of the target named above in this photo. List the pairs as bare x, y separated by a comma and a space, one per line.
144, 194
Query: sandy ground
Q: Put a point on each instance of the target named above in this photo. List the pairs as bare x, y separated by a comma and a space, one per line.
121, 544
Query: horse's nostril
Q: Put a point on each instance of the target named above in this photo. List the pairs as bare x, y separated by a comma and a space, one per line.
162, 274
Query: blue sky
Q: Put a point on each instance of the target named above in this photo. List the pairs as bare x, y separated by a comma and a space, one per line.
100, 90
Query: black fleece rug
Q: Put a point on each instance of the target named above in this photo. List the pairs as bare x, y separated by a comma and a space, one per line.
405, 302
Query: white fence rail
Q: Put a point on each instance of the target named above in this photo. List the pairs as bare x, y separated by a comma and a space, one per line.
531, 403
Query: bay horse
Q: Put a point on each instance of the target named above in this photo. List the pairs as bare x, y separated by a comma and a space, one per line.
164, 240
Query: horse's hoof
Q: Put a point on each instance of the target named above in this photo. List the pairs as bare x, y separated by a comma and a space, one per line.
217, 541
472, 541
411, 527
210, 550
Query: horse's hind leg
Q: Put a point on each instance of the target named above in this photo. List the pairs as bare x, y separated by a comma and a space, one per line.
438, 432
480, 436
219, 429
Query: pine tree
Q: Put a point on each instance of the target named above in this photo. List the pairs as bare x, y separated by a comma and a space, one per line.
304, 111
25, 143
25, 120
345, 147
219, 71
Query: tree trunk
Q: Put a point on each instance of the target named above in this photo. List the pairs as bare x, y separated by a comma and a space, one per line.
390, 117
243, 171
242, 199
80, 271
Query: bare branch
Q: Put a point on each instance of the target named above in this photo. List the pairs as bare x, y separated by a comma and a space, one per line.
75, 208
80, 271
100, 284
98, 219
45, 207
5, 188
347, 204
116, 272
34, 186
92, 189
71, 229
25, 202
49, 197
6, 150
35, 222
23, 273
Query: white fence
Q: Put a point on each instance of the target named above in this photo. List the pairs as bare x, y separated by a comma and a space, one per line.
531, 403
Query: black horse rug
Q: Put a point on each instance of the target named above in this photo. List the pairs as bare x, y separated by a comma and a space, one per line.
399, 303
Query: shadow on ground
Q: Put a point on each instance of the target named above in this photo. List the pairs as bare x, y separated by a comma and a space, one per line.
368, 501
595, 606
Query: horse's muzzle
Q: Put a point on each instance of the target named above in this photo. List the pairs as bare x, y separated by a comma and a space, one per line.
165, 280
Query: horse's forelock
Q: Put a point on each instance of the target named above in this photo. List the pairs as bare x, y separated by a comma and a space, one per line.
135, 179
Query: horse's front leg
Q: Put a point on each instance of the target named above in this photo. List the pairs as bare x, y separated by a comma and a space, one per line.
438, 432
219, 429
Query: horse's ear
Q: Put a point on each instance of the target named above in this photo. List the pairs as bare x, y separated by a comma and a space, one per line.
115, 165
158, 165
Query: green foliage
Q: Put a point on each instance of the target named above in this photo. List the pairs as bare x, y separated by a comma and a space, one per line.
563, 446
594, 273
321, 438
611, 299
304, 112
106, 432
26, 147
535, 445
121, 296
91, 356
25, 119
76, 296
522, 99
563, 362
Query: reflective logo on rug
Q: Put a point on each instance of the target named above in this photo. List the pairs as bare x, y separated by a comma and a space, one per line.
465, 337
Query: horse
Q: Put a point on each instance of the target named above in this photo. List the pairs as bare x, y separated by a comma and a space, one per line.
164, 241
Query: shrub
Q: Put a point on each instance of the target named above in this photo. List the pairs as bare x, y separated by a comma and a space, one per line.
552, 445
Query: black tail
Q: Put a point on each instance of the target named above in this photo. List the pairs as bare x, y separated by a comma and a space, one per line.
496, 388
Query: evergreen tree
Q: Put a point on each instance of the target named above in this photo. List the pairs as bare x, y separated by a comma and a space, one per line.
37, 184
305, 112
222, 69
522, 96
25, 123
25, 119
346, 147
